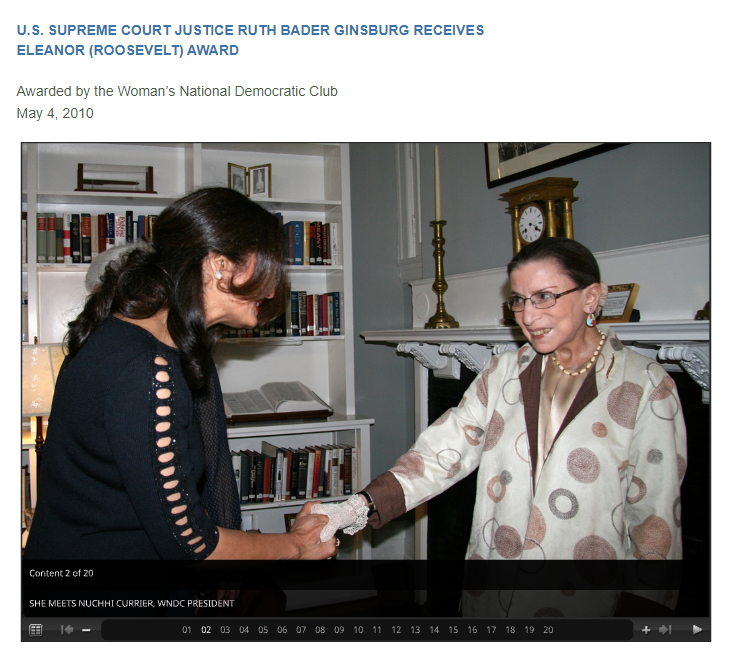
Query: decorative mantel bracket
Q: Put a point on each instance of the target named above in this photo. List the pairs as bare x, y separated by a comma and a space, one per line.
694, 358
426, 354
436, 357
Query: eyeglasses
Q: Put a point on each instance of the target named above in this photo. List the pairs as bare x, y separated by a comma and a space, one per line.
541, 300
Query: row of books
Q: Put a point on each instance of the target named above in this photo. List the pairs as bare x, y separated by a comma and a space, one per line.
277, 474
312, 243
307, 315
76, 238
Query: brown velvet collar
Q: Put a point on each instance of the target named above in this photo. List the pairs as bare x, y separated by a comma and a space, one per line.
530, 382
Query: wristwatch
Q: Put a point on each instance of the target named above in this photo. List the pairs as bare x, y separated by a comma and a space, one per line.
370, 503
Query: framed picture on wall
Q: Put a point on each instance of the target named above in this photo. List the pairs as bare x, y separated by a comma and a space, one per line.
509, 161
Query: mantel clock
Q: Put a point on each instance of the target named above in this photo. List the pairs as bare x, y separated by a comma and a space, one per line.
539, 209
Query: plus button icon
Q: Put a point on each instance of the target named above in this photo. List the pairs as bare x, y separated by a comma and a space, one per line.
646, 630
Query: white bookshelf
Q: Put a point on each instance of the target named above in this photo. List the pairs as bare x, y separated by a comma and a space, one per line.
309, 182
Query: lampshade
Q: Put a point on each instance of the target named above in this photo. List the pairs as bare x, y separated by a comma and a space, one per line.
40, 364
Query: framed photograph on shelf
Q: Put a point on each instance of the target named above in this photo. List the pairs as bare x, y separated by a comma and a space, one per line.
509, 161
259, 181
237, 178
619, 303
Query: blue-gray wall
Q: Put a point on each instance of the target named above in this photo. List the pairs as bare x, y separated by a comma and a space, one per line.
633, 195
383, 380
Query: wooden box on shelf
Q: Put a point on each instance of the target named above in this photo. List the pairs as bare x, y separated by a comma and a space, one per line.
96, 177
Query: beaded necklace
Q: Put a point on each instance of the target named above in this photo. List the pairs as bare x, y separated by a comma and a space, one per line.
588, 364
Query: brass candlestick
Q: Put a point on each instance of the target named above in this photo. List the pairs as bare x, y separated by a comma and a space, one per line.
440, 319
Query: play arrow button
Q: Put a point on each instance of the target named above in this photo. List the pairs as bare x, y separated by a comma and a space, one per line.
696, 629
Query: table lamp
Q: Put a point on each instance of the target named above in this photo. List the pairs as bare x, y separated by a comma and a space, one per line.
40, 364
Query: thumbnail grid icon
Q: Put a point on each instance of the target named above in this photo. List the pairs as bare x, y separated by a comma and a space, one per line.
35, 630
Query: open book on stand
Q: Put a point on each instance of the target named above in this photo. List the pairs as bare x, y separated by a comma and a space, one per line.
274, 402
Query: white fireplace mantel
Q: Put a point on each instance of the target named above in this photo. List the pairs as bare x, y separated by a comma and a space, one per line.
672, 343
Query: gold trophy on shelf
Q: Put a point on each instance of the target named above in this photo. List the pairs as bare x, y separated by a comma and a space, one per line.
441, 319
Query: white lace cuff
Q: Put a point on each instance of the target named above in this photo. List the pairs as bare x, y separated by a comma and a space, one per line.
351, 516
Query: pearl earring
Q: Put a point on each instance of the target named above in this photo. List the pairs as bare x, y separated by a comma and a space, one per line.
218, 275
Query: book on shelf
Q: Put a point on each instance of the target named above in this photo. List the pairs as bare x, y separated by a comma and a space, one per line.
322, 323
59, 239
319, 243
288, 460
244, 486
294, 474
333, 247
75, 238
86, 238
336, 296
120, 230
41, 238
335, 463
266, 469
302, 295
276, 455
342, 465
355, 470
95, 230
317, 471
302, 460
295, 230
315, 314
110, 230
275, 401
52, 239
326, 247
129, 226
294, 314
310, 325
257, 476
102, 232
306, 243
347, 475
67, 239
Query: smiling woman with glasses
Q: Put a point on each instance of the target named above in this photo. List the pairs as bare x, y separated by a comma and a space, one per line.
579, 444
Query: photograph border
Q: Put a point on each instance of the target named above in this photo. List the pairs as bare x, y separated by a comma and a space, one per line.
540, 160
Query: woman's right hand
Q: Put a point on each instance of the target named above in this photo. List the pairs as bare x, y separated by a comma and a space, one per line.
305, 532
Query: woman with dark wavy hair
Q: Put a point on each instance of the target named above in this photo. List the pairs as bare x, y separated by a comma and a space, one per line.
137, 464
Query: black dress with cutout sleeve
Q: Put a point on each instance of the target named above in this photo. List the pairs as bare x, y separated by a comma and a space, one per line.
124, 469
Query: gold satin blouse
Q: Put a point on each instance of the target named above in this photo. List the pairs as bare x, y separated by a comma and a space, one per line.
558, 391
